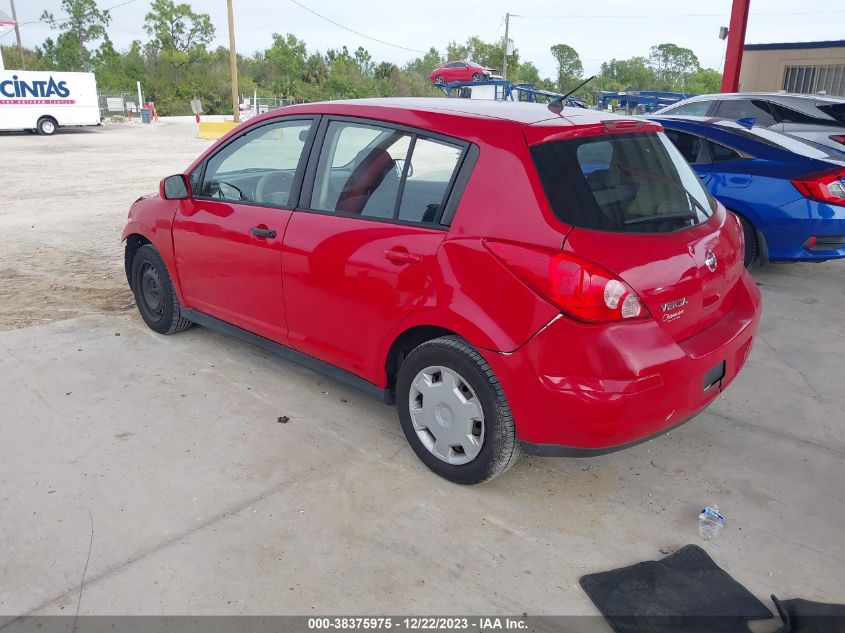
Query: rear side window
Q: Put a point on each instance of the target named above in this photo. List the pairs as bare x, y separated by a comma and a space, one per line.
624, 183
692, 147
757, 109
788, 115
378, 172
721, 153
835, 110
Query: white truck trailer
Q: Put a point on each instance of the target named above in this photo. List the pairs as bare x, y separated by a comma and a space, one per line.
44, 101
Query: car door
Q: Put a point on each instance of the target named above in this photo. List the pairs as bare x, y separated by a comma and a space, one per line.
456, 71
730, 169
228, 236
357, 255
695, 151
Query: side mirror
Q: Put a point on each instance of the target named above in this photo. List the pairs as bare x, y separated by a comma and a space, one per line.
175, 188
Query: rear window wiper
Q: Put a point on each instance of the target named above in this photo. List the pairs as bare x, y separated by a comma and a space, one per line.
661, 218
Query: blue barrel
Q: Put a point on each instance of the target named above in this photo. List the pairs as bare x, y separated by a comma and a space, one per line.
146, 115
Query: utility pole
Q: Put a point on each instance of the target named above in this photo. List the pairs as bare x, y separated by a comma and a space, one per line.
736, 42
233, 62
505, 60
18, 34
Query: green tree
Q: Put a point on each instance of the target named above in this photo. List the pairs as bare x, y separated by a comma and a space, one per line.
672, 65
705, 81
569, 67
84, 25
175, 27
620, 74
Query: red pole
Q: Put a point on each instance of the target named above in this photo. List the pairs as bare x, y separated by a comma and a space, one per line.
736, 42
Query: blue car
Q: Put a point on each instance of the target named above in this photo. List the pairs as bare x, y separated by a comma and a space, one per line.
789, 193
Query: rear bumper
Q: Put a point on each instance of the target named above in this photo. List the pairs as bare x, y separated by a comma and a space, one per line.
587, 390
788, 240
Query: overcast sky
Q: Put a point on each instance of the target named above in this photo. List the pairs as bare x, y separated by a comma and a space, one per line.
599, 29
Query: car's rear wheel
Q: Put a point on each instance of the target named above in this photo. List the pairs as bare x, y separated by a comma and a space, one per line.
752, 246
454, 412
155, 294
47, 126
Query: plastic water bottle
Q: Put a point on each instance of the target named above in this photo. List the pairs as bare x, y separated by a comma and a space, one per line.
710, 522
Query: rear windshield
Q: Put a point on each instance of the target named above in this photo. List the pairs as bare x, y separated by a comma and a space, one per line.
624, 183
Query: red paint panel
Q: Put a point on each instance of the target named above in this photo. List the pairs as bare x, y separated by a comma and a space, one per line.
228, 272
348, 281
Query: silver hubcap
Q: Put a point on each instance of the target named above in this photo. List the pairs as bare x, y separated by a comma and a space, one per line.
48, 127
446, 415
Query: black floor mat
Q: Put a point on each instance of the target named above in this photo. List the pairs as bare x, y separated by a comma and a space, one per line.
686, 591
803, 616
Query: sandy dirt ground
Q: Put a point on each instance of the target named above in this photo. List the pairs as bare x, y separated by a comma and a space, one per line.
64, 202
144, 474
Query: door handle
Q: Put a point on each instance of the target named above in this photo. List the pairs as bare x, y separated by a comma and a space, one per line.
259, 232
402, 256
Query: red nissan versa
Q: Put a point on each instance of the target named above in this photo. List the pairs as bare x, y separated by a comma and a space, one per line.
515, 278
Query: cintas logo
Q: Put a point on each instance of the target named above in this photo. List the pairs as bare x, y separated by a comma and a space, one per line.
41, 89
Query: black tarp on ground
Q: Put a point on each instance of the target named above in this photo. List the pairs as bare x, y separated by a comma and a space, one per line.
803, 616
686, 591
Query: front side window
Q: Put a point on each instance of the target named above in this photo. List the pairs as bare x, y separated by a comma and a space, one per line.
696, 108
379, 172
624, 183
259, 166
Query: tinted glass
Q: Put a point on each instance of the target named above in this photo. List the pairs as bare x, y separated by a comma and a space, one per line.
721, 153
433, 163
836, 110
259, 166
696, 108
745, 108
360, 169
631, 183
788, 115
692, 147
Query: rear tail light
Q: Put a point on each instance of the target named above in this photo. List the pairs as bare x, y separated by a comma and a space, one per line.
839, 138
827, 186
581, 289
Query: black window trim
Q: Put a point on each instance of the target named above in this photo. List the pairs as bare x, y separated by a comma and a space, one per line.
446, 205
299, 173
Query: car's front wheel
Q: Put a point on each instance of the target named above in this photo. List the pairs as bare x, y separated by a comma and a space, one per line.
155, 294
477, 77
438, 80
454, 412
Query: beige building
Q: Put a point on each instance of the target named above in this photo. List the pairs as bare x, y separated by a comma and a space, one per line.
794, 67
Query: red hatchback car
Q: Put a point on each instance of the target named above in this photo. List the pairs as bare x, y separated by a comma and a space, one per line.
461, 71
515, 278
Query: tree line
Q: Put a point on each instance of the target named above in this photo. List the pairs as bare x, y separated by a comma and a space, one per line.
176, 63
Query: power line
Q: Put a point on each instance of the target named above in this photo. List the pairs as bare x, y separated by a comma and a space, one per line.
673, 15
68, 19
346, 28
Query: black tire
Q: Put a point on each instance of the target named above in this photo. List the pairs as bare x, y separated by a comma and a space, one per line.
477, 77
500, 448
47, 126
752, 246
438, 80
154, 293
